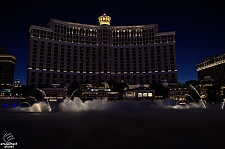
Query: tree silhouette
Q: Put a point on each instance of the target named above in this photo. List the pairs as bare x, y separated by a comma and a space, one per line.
75, 85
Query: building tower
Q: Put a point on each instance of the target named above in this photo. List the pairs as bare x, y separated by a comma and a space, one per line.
7, 63
104, 36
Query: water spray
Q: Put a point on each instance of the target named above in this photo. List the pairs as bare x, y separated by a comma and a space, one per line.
192, 99
223, 104
193, 88
43, 93
73, 93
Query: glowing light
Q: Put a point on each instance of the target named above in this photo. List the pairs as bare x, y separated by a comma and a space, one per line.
150, 95
104, 19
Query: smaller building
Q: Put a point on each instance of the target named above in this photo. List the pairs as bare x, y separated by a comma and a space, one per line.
17, 83
55, 93
178, 93
100, 93
140, 93
214, 67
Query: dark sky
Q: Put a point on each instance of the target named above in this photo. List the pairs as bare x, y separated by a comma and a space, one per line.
199, 25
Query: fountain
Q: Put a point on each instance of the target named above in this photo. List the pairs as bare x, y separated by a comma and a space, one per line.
73, 93
30, 105
223, 104
193, 88
181, 104
192, 99
32, 100
49, 108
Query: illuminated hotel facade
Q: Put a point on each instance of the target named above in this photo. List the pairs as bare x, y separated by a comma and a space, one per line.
213, 67
7, 64
66, 51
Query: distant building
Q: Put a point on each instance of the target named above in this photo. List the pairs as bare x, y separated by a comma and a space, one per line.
17, 83
140, 93
213, 67
66, 51
7, 63
55, 92
178, 93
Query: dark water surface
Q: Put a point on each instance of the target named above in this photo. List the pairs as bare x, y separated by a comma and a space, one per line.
143, 126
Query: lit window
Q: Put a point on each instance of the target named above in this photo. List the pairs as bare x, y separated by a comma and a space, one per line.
149, 94
144, 94
139, 94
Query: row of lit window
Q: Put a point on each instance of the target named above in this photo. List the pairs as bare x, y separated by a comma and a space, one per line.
109, 72
91, 32
165, 48
73, 38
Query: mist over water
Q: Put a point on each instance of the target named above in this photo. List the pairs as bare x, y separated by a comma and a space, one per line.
78, 105
120, 124
36, 107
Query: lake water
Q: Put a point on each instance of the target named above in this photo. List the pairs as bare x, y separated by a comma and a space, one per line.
116, 125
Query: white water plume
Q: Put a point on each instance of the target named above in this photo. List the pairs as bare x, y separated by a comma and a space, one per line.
36, 107
78, 105
194, 89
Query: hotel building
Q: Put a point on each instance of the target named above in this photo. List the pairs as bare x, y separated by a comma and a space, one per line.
213, 67
7, 63
65, 51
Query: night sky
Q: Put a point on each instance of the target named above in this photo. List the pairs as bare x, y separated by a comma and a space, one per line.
199, 25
